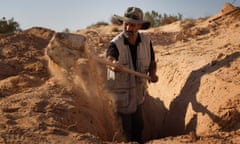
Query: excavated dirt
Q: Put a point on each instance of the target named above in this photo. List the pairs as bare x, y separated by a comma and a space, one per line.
60, 96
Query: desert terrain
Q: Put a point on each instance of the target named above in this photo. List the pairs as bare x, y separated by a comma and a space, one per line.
52, 90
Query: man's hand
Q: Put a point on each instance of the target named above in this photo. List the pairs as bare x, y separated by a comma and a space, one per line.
117, 67
154, 78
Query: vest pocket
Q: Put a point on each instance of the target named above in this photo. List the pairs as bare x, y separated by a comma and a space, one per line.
121, 98
143, 65
123, 78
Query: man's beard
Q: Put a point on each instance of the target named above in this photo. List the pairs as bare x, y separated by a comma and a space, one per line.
129, 34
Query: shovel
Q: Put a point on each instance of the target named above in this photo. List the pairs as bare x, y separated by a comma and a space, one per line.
103, 61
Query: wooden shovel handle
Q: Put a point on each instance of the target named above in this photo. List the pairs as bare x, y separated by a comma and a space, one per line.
104, 61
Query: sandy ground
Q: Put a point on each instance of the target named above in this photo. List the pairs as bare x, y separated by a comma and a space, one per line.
52, 92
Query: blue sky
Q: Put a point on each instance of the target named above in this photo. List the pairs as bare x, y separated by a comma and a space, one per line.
78, 14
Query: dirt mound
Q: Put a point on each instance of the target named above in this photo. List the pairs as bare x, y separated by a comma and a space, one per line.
52, 92
22, 63
60, 100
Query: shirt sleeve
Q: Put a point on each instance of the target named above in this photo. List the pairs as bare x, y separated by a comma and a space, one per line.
112, 51
152, 52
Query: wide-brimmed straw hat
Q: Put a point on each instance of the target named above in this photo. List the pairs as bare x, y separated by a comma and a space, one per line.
134, 15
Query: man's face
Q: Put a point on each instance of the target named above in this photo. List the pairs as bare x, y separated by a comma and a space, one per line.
131, 29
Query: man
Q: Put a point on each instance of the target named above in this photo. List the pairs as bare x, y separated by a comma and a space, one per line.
132, 50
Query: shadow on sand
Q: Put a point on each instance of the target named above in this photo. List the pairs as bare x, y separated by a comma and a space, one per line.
154, 113
175, 119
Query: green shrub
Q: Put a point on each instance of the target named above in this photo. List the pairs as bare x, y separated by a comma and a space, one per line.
9, 26
157, 19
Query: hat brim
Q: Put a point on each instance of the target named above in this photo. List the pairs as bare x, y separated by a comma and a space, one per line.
145, 24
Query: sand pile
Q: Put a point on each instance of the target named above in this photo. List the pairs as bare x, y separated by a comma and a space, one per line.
56, 91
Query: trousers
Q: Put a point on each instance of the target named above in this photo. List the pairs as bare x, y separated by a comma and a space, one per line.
133, 125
